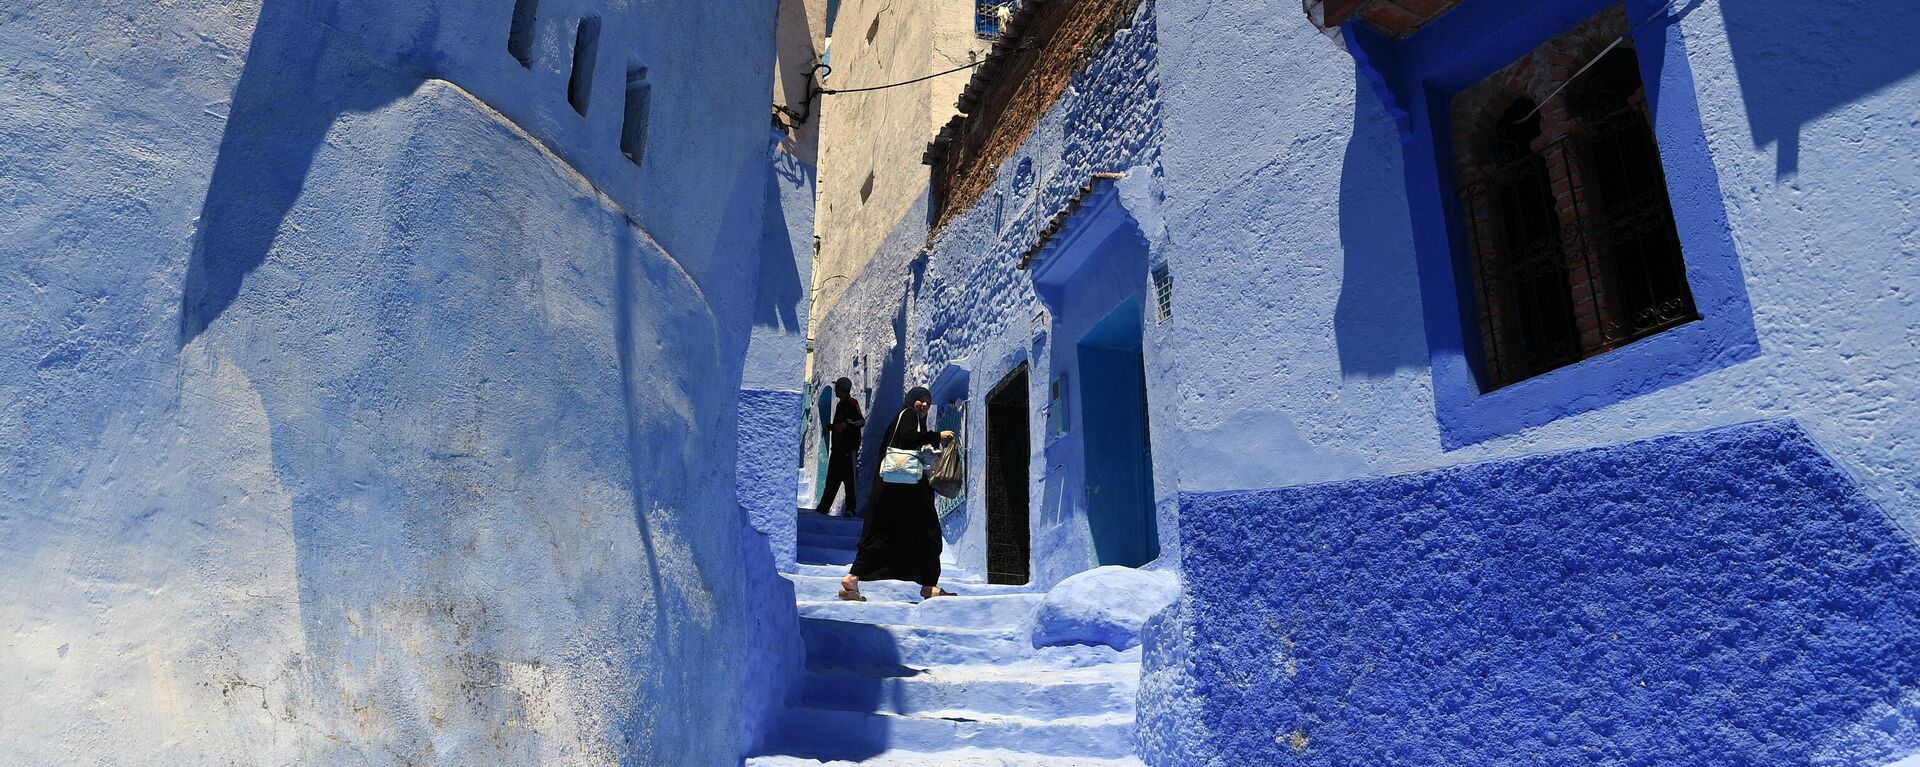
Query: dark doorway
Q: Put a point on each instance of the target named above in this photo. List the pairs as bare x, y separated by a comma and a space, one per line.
1009, 453
1119, 455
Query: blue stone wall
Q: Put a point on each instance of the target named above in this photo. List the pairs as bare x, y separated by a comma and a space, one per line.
1713, 598
362, 403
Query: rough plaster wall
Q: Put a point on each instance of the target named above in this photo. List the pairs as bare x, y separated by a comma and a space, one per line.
433, 484
968, 304
1308, 307
884, 132
1713, 598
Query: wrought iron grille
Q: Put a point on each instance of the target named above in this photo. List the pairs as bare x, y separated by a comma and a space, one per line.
988, 16
1573, 246
1163, 292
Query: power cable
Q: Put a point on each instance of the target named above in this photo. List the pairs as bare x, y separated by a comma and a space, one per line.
961, 68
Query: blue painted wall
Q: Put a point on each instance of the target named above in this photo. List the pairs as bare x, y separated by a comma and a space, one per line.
1314, 291
1717, 598
1289, 179
362, 403
1312, 288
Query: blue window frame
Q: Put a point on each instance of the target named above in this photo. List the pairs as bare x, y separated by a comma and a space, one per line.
1417, 77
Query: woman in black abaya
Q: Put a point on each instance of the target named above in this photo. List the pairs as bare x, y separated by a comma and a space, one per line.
900, 540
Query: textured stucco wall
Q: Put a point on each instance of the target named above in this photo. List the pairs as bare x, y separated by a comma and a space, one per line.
1719, 597
965, 303
1305, 348
428, 471
1314, 292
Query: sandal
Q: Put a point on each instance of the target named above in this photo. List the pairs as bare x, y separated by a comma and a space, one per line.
851, 596
937, 592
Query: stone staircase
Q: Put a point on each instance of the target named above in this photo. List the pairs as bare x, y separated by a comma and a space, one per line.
953, 682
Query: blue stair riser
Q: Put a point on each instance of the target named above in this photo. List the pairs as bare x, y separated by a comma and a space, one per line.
982, 612
812, 523
1003, 697
848, 542
840, 645
854, 734
817, 556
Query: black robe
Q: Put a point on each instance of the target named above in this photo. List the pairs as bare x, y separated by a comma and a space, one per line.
900, 540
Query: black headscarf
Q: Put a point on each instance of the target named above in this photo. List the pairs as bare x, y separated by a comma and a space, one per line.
916, 394
843, 387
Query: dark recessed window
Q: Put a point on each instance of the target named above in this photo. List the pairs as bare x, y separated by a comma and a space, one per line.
1570, 236
520, 36
633, 127
586, 52
866, 187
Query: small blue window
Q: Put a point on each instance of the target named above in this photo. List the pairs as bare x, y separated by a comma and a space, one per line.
989, 17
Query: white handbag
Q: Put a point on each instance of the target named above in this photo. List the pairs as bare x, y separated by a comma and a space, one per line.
900, 466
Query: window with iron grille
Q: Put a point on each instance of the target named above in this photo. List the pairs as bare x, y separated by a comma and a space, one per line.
988, 16
1163, 292
1570, 236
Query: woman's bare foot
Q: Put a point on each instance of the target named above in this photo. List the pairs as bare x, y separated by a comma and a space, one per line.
929, 592
850, 589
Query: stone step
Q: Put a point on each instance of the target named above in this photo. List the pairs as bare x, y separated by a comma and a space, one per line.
828, 733
886, 649
966, 612
814, 555
819, 541
1017, 690
959, 579
826, 587
815, 523
966, 757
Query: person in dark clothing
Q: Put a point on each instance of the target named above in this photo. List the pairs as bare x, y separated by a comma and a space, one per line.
843, 447
900, 539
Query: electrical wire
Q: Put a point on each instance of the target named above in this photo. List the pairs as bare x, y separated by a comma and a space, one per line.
964, 67
1665, 11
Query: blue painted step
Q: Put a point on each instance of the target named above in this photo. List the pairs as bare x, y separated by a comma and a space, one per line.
825, 585
960, 577
966, 757
814, 555
967, 612
848, 542
842, 646
822, 732
1020, 690
813, 523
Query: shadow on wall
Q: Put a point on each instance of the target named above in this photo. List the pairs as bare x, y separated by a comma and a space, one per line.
301, 74
889, 396
1377, 323
778, 301
1797, 62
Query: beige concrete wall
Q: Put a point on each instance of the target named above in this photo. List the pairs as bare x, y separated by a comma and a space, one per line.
798, 42
880, 135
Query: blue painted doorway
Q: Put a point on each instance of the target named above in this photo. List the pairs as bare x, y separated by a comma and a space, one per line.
1117, 447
